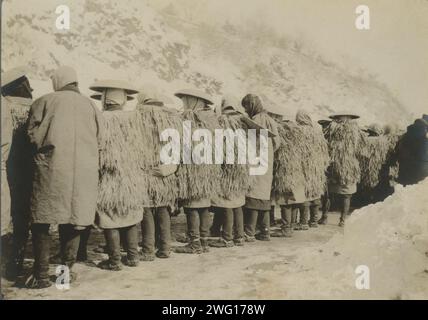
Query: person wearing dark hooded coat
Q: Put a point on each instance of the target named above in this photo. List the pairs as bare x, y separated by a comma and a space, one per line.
17, 94
258, 199
413, 153
64, 128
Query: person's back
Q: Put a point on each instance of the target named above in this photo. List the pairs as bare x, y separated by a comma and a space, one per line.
67, 138
63, 128
413, 153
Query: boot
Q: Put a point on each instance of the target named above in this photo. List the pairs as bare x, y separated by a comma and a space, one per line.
41, 249
222, 243
194, 247
147, 257
262, 237
182, 238
82, 253
249, 238
130, 262
239, 242
205, 245
163, 254
285, 232
110, 265
323, 220
33, 283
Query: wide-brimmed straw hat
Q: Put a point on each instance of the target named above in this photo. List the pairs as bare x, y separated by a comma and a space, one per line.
254, 125
101, 85
12, 75
97, 96
194, 93
348, 115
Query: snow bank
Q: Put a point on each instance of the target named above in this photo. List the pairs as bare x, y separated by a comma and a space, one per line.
390, 238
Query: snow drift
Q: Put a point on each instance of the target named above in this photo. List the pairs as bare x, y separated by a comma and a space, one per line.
389, 237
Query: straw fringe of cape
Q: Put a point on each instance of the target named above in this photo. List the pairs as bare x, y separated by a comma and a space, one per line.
199, 181
19, 117
288, 169
122, 187
160, 191
376, 160
315, 161
234, 179
345, 141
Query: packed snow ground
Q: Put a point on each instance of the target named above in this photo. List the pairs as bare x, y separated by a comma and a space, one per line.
390, 238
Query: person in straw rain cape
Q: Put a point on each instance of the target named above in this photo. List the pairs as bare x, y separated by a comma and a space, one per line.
315, 161
17, 94
162, 184
257, 202
325, 198
122, 189
345, 140
233, 181
278, 115
65, 128
198, 180
288, 186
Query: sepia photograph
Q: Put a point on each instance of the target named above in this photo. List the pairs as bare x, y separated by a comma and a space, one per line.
227, 152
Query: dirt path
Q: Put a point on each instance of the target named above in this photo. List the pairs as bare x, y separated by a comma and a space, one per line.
260, 270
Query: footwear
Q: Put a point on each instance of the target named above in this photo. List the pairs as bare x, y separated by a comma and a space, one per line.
249, 238
130, 262
147, 257
33, 283
313, 224
239, 242
323, 220
283, 233
222, 243
82, 257
109, 265
341, 223
183, 238
193, 247
297, 227
205, 245
162, 254
304, 227
262, 237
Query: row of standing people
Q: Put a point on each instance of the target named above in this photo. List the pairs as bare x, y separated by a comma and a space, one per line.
75, 166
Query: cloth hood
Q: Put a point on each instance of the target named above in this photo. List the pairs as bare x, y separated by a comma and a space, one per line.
62, 77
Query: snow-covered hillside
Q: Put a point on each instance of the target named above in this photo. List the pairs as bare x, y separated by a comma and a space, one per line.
109, 39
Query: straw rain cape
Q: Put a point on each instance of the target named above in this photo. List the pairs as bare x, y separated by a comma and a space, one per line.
122, 187
199, 181
376, 159
234, 177
315, 161
154, 120
288, 167
345, 141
